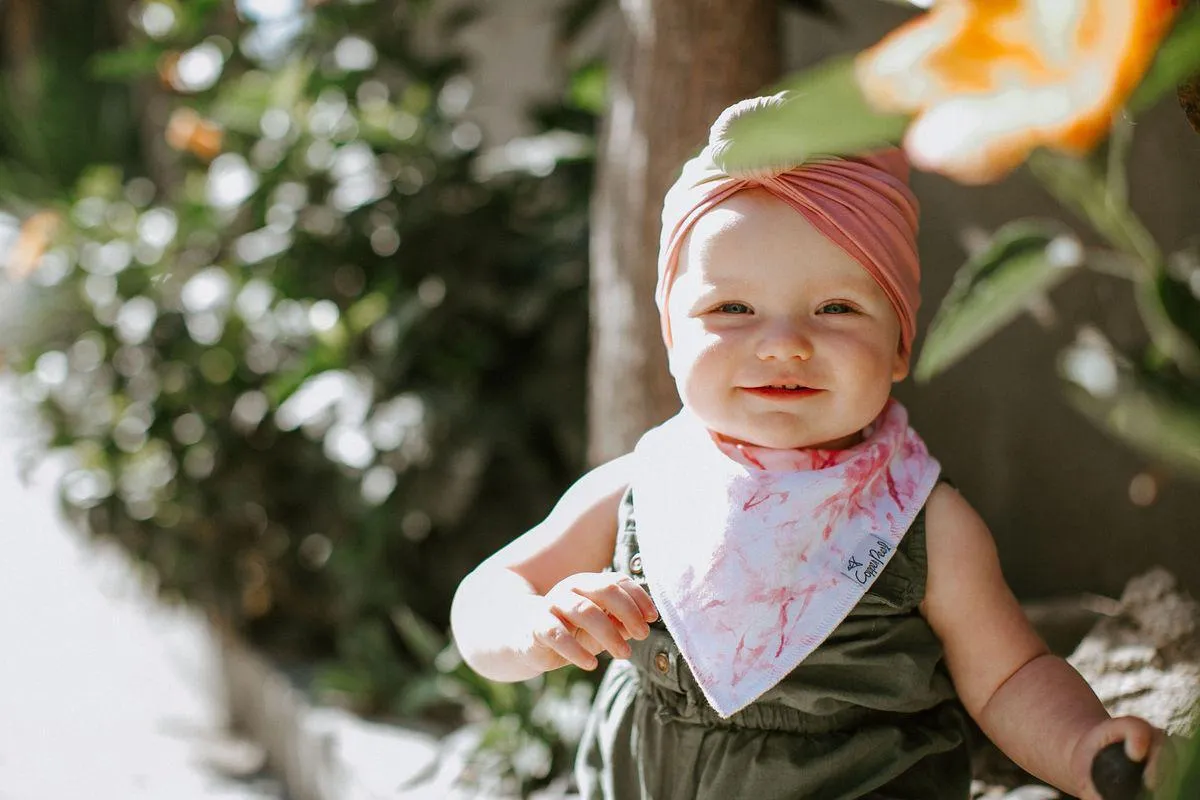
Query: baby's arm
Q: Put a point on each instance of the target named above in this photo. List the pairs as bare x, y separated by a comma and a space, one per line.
1032, 704
542, 601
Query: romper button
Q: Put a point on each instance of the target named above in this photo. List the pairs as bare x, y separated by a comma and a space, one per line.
662, 663
635, 564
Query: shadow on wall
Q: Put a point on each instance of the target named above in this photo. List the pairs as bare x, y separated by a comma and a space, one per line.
1056, 492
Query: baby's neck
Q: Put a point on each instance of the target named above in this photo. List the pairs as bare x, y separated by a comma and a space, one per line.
787, 459
844, 443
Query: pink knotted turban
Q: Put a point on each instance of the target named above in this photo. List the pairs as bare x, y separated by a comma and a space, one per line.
861, 204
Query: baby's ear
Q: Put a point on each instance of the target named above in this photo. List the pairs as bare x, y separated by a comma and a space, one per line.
900, 363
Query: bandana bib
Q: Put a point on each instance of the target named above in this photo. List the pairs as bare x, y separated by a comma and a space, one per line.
755, 555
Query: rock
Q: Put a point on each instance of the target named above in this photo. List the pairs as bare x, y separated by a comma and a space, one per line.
1145, 659
981, 790
234, 757
1032, 792
1062, 622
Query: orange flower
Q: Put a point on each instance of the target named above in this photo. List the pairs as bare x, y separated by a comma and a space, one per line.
189, 132
990, 80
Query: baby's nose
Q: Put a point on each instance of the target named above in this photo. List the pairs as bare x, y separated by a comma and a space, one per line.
785, 340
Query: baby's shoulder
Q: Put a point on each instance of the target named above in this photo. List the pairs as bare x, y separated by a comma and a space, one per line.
596, 494
951, 519
610, 479
962, 560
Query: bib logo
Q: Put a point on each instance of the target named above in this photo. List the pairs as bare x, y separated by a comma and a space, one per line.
864, 564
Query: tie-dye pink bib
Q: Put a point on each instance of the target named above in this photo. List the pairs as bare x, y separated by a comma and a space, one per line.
755, 555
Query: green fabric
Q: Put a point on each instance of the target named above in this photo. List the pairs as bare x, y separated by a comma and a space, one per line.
870, 714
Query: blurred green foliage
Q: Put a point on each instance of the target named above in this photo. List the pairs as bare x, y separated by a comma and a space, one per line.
324, 353
56, 118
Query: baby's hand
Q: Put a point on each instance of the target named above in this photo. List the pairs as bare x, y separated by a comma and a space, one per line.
1143, 743
586, 613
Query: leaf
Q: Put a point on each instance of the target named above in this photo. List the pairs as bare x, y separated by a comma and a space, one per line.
1178, 58
241, 103
289, 82
126, 63
1024, 260
425, 641
1171, 314
194, 17
824, 114
588, 88
101, 180
1133, 407
1181, 308
1184, 780
419, 694
1079, 185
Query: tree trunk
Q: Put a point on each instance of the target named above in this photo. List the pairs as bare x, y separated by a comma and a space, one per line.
678, 64
20, 23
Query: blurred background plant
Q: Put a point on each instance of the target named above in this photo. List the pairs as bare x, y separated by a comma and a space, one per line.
314, 349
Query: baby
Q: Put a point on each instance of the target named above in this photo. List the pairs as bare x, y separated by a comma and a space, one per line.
829, 604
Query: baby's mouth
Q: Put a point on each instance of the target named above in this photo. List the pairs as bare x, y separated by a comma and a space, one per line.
782, 390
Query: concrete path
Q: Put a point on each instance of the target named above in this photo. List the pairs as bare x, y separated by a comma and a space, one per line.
104, 694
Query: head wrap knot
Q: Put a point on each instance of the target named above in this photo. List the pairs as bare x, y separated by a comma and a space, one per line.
862, 204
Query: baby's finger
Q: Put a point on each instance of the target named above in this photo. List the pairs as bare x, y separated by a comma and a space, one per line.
616, 601
642, 598
586, 615
562, 642
645, 610
1137, 734
1144, 743
589, 642
625, 633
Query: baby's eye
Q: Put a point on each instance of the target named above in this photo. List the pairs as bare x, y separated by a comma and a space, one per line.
733, 308
837, 308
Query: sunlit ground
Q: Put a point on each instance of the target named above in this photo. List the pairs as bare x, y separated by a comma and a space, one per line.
103, 693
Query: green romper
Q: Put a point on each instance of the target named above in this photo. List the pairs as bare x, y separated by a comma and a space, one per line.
871, 713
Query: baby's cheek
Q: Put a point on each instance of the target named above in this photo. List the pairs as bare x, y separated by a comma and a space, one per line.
869, 353
703, 386
694, 390
692, 352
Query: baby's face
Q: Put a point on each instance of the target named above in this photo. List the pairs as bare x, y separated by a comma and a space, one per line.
763, 304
